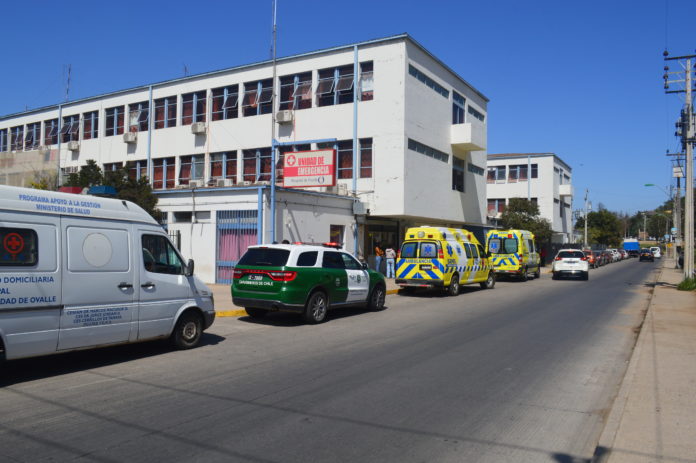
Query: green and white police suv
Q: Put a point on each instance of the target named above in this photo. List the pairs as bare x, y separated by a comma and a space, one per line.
304, 278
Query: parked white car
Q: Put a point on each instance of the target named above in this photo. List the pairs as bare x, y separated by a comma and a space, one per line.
571, 262
656, 251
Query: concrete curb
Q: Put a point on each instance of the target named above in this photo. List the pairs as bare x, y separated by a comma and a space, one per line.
606, 441
242, 312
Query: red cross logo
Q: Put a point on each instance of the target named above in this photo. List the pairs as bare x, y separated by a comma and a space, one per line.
13, 244
291, 160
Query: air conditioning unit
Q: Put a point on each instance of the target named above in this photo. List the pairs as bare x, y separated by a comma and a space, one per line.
73, 145
195, 183
331, 189
284, 117
247, 183
343, 189
224, 182
182, 186
130, 137
198, 128
263, 182
359, 208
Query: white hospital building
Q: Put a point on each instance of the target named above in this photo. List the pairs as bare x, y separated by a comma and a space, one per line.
409, 136
541, 177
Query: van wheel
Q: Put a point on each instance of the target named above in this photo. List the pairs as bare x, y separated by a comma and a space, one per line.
317, 306
490, 281
376, 301
255, 312
524, 276
188, 330
453, 289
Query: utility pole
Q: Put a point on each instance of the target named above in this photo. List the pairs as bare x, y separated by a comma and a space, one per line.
687, 135
587, 191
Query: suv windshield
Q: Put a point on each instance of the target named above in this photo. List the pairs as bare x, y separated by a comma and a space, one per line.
265, 257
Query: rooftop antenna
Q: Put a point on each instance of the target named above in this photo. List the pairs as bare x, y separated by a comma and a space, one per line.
67, 85
186, 71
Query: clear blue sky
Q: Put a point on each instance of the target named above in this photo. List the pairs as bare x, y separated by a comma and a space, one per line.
580, 79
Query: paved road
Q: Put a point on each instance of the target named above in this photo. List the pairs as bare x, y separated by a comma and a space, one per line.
524, 372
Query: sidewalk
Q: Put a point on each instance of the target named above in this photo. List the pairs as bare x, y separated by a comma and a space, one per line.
654, 415
225, 308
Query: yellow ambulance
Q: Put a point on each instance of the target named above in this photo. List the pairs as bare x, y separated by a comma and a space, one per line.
440, 257
513, 253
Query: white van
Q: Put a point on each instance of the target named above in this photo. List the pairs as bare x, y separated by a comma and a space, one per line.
80, 271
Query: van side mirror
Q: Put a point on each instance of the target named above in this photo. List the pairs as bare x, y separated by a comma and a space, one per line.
189, 268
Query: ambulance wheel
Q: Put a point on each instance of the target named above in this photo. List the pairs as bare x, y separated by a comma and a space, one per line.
490, 281
255, 312
317, 307
376, 301
453, 289
188, 330
524, 276
537, 274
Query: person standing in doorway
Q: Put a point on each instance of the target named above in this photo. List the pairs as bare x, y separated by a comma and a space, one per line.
379, 255
390, 255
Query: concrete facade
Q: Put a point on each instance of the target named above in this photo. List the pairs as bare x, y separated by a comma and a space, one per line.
551, 188
401, 119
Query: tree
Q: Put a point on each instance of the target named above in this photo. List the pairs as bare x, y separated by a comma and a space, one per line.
603, 227
89, 175
522, 214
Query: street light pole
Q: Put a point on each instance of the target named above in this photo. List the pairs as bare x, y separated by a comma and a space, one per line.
587, 191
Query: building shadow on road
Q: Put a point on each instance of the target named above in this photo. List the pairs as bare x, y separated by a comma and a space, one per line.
30, 369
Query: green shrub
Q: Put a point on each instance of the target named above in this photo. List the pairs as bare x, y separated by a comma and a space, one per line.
689, 284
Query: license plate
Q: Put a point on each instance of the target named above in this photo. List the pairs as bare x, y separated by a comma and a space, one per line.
426, 267
256, 277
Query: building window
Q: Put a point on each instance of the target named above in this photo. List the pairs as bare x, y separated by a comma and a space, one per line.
280, 156
428, 81
496, 207
165, 112
496, 174
33, 136
193, 107
335, 86
566, 179
114, 121
90, 125
51, 132
296, 91
70, 131
17, 138
112, 166
458, 104
256, 164
475, 113
224, 165
367, 81
535, 171
258, 97
137, 169
366, 158
517, 173
163, 173
138, 116
3, 140
458, 174
474, 169
413, 145
191, 168
534, 201
225, 103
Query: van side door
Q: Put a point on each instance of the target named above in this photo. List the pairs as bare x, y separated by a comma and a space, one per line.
163, 287
99, 298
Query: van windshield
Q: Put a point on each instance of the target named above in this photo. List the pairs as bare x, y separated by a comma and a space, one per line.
502, 246
265, 257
